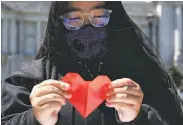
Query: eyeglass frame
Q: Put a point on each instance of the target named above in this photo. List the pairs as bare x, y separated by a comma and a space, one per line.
83, 19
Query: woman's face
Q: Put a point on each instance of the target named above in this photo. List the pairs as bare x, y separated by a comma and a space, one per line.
87, 34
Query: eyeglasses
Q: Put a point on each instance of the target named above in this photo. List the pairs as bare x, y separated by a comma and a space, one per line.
75, 20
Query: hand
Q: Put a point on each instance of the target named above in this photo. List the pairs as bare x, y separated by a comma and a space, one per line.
47, 99
126, 97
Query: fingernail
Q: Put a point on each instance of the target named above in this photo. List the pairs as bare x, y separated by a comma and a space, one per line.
64, 103
108, 99
108, 104
66, 86
109, 86
69, 96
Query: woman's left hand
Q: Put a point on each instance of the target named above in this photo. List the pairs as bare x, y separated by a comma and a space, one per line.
126, 97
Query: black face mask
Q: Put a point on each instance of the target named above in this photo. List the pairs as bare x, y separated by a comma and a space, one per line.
88, 42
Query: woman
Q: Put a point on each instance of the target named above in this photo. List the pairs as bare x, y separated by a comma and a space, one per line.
92, 38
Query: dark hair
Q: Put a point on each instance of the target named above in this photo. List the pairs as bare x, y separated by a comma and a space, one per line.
128, 48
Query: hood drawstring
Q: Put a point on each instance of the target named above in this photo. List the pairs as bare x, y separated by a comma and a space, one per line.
102, 114
73, 116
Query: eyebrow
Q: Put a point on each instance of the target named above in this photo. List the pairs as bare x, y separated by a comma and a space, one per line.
99, 6
78, 9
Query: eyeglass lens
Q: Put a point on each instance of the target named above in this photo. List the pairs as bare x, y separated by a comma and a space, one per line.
97, 18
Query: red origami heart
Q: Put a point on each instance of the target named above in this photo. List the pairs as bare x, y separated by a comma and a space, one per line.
86, 95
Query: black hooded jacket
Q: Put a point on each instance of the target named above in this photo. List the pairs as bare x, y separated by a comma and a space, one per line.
16, 108
132, 59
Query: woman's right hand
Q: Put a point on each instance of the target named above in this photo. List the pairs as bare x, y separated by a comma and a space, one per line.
47, 99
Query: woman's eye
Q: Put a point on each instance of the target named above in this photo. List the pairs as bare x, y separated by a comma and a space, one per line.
101, 16
74, 18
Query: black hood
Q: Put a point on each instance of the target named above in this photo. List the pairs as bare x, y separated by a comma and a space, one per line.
120, 31
54, 44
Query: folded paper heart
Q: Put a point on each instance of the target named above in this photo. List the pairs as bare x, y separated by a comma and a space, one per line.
86, 95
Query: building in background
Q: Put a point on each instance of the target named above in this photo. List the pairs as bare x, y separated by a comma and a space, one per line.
23, 25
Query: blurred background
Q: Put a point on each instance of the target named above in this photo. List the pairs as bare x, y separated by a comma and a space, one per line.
23, 25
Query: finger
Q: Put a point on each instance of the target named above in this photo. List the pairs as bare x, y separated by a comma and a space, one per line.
51, 89
50, 98
118, 105
122, 82
125, 98
126, 89
58, 84
53, 106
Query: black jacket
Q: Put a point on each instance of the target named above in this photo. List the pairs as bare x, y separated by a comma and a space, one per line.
157, 109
